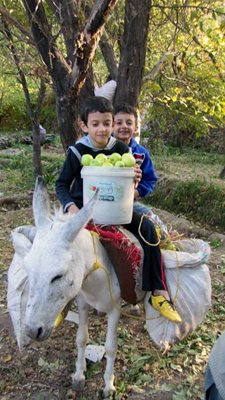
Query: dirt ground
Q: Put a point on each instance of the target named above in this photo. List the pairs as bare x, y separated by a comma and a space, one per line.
42, 372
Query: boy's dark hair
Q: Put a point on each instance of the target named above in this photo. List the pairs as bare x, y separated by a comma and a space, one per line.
125, 108
94, 104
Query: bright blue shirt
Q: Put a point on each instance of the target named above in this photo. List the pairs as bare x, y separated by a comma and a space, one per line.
149, 177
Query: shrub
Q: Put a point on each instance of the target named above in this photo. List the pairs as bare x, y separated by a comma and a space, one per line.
199, 200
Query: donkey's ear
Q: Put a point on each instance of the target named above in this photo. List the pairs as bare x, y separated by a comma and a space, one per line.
27, 230
41, 204
80, 219
21, 243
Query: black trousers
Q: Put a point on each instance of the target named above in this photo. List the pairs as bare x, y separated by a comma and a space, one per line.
153, 267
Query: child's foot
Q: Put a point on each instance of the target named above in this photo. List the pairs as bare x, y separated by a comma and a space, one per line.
165, 308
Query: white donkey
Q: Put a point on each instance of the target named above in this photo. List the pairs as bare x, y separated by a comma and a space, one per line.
61, 265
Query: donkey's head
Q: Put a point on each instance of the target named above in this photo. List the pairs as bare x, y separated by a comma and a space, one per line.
54, 264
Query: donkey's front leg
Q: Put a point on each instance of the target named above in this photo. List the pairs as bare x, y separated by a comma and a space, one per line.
110, 350
78, 378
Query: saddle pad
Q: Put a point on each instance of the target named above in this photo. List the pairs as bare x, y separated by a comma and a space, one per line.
126, 255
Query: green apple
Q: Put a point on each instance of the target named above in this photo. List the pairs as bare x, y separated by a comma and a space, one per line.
86, 160
95, 163
107, 164
129, 160
119, 164
115, 157
101, 158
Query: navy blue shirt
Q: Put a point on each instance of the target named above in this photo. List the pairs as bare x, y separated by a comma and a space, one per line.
149, 177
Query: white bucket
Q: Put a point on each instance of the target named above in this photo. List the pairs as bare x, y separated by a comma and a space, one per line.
116, 193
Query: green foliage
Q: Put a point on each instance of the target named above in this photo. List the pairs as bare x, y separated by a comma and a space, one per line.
13, 114
51, 168
197, 199
12, 108
190, 184
48, 116
216, 243
17, 168
186, 98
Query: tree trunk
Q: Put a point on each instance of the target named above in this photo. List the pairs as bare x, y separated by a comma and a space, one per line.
68, 75
68, 105
34, 115
67, 115
133, 51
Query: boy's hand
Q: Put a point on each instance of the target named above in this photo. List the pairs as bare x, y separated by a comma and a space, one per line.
136, 194
138, 175
73, 209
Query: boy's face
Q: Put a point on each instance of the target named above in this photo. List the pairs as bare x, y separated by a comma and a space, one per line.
125, 126
99, 127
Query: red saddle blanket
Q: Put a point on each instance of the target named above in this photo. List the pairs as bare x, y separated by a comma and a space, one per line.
126, 255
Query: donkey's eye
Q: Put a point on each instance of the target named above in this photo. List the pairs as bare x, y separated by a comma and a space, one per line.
56, 278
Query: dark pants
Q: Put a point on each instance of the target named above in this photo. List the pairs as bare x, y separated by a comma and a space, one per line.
153, 268
211, 392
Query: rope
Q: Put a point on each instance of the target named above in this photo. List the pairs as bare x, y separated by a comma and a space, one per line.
139, 231
97, 265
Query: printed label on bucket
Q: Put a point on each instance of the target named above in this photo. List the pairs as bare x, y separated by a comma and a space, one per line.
108, 191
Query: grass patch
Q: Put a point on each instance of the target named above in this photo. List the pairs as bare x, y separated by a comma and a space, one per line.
191, 185
16, 170
197, 199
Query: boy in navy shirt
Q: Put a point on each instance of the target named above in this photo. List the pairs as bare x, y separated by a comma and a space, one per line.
97, 123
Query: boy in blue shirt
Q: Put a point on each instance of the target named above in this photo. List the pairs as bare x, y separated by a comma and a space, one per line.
125, 126
97, 123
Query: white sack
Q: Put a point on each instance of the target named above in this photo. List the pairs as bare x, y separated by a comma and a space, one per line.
189, 284
107, 90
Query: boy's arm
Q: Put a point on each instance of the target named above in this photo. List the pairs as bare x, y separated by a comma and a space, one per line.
70, 169
149, 177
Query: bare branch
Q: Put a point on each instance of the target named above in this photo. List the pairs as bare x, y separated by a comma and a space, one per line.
89, 39
44, 40
197, 41
187, 6
156, 69
12, 21
41, 96
109, 56
99, 15
67, 13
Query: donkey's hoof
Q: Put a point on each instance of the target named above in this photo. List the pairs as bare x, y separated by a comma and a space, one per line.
109, 394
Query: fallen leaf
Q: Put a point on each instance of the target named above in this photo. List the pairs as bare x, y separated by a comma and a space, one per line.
7, 358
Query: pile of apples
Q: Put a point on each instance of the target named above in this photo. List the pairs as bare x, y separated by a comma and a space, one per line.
114, 160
